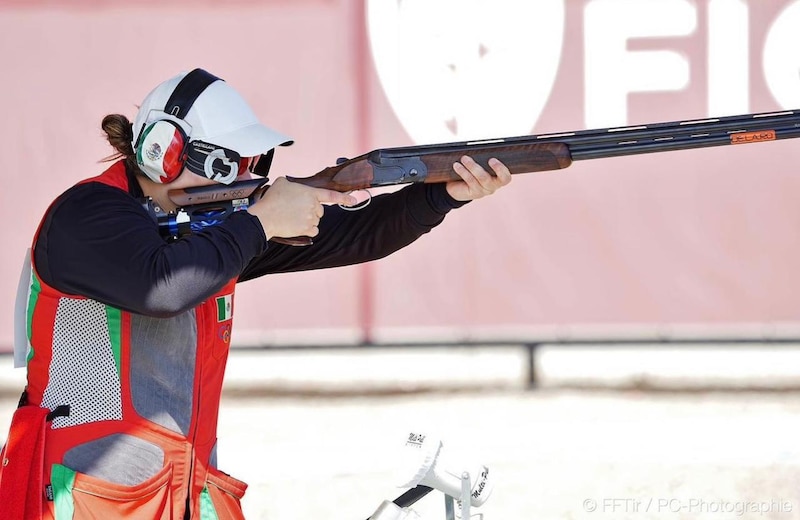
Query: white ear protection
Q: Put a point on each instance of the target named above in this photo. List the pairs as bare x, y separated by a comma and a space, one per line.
163, 145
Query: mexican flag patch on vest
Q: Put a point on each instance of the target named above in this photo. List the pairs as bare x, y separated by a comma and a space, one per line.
225, 307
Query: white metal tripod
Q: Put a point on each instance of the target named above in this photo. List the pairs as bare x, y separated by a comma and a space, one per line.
460, 489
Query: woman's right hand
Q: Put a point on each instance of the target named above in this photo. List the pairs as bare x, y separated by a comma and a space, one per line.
289, 209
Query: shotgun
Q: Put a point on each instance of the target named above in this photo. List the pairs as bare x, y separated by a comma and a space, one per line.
208, 205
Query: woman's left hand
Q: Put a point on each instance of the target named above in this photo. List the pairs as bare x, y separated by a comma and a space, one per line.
475, 181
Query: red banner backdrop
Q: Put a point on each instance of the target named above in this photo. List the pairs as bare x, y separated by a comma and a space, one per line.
697, 237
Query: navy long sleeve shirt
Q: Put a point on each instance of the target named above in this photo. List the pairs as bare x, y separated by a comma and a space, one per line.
99, 242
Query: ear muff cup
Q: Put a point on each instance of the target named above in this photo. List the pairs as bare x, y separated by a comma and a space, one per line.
161, 150
162, 146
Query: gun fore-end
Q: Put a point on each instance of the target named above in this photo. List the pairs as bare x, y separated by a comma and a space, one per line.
518, 158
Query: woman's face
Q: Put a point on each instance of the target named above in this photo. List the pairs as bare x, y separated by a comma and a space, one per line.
189, 179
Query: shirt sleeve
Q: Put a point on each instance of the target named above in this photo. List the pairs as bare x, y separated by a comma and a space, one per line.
390, 222
99, 242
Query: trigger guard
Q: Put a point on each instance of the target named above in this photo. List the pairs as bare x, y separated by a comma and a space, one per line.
360, 205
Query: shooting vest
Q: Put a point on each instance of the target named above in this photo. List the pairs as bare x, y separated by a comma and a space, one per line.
143, 393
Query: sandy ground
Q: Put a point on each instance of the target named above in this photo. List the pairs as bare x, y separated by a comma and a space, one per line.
554, 453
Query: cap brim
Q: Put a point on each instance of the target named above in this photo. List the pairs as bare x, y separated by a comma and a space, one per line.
251, 140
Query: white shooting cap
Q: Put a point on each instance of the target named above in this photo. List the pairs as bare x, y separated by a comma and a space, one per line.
219, 116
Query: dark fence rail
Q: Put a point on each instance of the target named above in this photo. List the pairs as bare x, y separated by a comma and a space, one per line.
533, 344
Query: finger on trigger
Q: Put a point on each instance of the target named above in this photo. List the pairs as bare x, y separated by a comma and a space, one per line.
335, 197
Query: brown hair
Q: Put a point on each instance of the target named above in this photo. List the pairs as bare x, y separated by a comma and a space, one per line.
119, 132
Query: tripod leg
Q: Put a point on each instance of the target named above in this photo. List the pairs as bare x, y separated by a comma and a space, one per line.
449, 508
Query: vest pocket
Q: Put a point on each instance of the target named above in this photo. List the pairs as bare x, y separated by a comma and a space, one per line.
222, 497
82, 497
